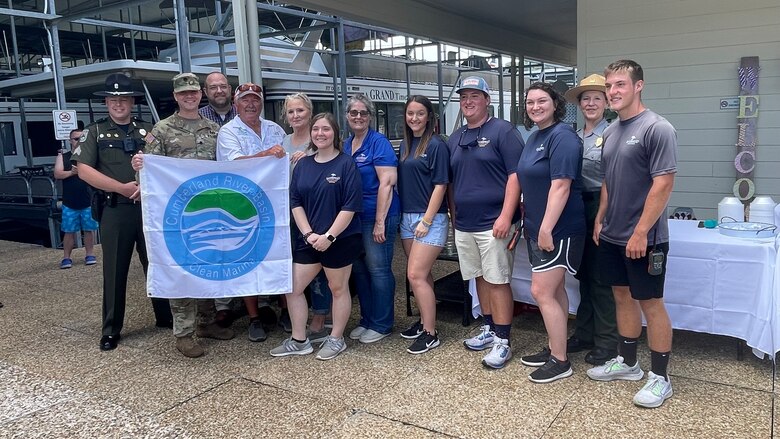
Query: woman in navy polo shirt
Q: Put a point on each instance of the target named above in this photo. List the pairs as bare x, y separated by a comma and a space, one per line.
377, 164
550, 173
423, 175
325, 195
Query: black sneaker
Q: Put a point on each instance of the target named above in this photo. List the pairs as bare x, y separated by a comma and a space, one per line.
414, 331
537, 359
284, 321
551, 371
424, 343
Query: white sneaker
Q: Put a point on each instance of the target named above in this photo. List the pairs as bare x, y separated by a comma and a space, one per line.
655, 391
371, 336
481, 341
616, 369
499, 355
357, 332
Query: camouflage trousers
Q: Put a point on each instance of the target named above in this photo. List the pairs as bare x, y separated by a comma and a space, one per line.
187, 312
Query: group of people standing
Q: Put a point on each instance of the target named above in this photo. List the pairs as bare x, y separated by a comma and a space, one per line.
594, 211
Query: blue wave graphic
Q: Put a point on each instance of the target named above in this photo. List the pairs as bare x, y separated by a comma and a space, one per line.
214, 235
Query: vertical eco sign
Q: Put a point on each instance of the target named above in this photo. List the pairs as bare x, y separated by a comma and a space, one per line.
745, 161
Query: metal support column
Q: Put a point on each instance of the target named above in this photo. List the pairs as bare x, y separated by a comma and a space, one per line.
439, 74
513, 91
343, 75
22, 114
242, 44
334, 75
500, 87
220, 32
182, 36
253, 35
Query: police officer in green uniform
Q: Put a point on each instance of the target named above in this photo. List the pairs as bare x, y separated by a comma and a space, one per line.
103, 156
186, 134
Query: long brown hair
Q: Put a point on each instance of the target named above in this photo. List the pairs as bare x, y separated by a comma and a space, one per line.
430, 127
334, 125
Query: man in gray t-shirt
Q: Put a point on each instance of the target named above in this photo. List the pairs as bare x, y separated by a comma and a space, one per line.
639, 160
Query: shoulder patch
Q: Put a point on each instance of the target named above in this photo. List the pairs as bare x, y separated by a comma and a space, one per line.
84, 135
149, 138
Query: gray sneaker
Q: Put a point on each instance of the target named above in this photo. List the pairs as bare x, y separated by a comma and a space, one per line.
256, 331
318, 336
292, 347
331, 347
616, 369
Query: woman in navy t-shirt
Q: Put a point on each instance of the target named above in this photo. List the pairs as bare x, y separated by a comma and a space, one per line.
550, 173
377, 163
325, 195
423, 175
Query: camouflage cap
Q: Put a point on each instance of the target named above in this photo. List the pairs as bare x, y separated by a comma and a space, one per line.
185, 82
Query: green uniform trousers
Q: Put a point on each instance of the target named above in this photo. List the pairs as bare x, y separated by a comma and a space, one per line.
121, 230
596, 314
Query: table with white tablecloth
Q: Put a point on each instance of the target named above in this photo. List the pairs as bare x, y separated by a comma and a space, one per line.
714, 284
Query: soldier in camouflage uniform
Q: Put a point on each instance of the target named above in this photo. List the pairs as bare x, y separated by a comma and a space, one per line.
103, 157
186, 134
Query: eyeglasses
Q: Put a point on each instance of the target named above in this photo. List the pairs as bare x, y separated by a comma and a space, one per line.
356, 113
249, 86
218, 87
75, 139
473, 142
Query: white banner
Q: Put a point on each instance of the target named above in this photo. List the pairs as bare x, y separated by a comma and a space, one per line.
216, 229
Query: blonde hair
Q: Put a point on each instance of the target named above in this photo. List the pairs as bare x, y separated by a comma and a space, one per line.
301, 97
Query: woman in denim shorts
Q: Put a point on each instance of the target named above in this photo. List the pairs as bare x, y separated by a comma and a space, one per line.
423, 175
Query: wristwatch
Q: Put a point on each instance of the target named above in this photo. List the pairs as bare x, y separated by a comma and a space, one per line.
330, 237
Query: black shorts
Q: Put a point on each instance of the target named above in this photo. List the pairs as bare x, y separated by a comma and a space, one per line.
616, 269
340, 254
567, 254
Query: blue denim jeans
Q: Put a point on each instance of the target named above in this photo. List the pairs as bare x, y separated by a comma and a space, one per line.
373, 275
321, 297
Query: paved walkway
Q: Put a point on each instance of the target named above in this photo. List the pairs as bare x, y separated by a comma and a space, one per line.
54, 382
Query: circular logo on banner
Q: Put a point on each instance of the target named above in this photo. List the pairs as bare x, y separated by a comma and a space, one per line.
219, 226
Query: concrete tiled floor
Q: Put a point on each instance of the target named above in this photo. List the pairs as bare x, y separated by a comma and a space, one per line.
56, 383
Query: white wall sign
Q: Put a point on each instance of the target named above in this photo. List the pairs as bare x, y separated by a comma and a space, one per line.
729, 103
64, 122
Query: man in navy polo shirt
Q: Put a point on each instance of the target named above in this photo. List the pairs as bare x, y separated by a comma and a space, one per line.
484, 197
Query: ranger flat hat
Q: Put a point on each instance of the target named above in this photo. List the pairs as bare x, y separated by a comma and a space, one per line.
118, 84
594, 82
185, 82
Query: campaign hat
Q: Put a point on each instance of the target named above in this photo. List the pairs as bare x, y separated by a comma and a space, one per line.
118, 84
594, 82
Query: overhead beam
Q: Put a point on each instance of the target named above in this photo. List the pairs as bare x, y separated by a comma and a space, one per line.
91, 12
409, 16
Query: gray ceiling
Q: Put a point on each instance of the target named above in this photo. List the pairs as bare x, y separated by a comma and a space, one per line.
541, 29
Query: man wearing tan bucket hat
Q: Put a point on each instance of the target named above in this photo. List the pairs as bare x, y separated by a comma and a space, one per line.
596, 328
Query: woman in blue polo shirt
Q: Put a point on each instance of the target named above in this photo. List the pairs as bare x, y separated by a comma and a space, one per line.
325, 195
550, 173
377, 163
423, 175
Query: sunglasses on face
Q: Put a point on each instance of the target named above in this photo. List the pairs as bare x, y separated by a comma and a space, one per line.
473, 142
75, 139
356, 113
249, 86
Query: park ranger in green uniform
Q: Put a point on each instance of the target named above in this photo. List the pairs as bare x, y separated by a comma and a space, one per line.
186, 134
103, 155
